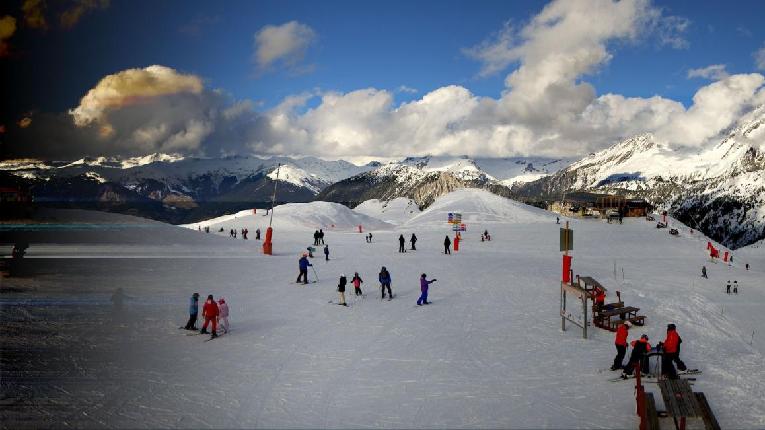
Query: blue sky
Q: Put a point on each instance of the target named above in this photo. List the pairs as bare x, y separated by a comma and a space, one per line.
356, 45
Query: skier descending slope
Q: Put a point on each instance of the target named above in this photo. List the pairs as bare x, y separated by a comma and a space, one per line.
210, 313
385, 281
424, 283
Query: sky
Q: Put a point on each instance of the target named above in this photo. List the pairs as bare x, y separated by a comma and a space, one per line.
348, 79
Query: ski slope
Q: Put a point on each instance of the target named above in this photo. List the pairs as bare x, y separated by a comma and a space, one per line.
487, 353
396, 211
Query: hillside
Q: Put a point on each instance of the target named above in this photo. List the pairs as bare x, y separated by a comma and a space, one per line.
487, 353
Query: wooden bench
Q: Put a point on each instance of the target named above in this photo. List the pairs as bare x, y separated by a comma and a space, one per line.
680, 401
710, 422
651, 413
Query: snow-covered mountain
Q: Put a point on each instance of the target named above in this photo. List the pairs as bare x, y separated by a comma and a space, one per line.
423, 179
719, 190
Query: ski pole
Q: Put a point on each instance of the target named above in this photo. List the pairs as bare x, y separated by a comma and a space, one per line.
314, 274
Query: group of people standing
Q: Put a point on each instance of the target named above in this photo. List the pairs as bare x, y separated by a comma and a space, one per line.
212, 313
669, 349
318, 237
402, 242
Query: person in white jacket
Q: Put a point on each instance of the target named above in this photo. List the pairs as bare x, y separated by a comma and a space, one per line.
223, 314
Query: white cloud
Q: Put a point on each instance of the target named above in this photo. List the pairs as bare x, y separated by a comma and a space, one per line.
714, 72
495, 53
283, 45
406, 89
715, 107
130, 87
759, 58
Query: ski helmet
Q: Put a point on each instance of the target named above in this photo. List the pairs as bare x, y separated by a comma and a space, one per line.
644, 336
628, 324
671, 327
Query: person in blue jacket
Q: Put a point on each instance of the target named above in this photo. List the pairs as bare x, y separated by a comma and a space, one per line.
385, 281
424, 283
326, 252
303, 264
193, 312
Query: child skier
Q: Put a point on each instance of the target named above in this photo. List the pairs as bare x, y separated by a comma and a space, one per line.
356, 281
704, 272
424, 283
735, 287
385, 281
223, 313
727, 287
640, 350
326, 252
210, 314
341, 289
193, 312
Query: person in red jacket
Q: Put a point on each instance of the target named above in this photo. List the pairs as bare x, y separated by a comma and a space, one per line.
671, 353
621, 345
210, 314
600, 300
640, 349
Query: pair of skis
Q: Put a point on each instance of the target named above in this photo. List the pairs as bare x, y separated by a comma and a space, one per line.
679, 374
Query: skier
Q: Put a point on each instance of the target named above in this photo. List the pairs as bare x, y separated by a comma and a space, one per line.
193, 312
356, 281
370, 237
401, 242
257, 234
747, 266
704, 272
414, 241
210, 314
223, 310
557, 220
735, 287
303, 264
640, 348
385, 281
621, 345
727, 287
326, 252
424, 283
316, 237
310, 250
341, 289
447, 243
671, 347
321, 237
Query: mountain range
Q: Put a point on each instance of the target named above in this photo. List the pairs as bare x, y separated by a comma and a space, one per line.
719, 190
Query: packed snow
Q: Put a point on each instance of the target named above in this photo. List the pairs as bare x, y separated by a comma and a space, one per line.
396, 211
487, 353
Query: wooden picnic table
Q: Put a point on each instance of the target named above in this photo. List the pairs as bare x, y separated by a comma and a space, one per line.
588, 281
680, 401
628, 311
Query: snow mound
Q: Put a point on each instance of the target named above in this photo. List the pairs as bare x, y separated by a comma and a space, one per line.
297, 216
396, 211
479, 207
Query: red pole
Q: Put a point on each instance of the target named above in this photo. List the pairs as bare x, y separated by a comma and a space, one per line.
267, 246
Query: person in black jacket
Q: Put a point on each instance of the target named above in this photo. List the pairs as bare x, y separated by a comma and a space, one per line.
414, 241
447, 244
341, 289
401, 242
640, 349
